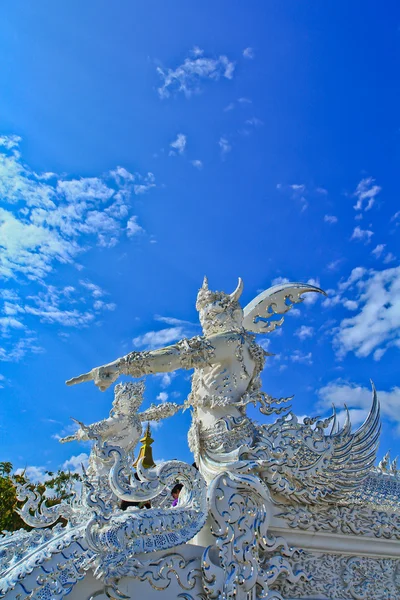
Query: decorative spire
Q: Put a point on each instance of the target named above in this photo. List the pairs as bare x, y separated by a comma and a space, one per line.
146, 451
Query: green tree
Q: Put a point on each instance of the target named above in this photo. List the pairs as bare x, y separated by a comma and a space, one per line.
60, 485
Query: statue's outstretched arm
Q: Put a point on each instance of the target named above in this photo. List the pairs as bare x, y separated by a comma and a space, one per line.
159, 411
86, 432
186, 354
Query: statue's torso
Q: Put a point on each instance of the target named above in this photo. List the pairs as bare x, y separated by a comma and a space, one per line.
218, 389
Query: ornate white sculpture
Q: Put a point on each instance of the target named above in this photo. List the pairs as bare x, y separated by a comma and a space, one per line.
122, 428
309, 476
296, 459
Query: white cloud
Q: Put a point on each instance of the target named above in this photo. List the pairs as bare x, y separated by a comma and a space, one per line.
224, 145
58, 218
74, 463
396, 216
133, 228
389, 258
376, 326
196, 51
359, 399
179, 144
350, 304
331, 219
229, 107
174, 321
93, 288
86, 189
312, 297
198, 164
254, 121
334, 264
9, 141
299, 357
297, 191
179, 329
377, 252
100, 305
162, 396
166, 379
50, 221
187, 77
248, 53
304, 332
10, 323
362, 234
155, 339
366, 192
279, 280
147, 182
34, 474
17, 350
245, 101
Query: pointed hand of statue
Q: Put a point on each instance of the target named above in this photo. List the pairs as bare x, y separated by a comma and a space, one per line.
103, 377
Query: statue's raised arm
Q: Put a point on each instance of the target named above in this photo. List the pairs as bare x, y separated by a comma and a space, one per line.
225, 340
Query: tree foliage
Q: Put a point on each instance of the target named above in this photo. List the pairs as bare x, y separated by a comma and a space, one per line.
58, 487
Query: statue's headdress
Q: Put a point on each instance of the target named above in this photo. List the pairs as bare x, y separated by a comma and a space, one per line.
206, 296
130, 394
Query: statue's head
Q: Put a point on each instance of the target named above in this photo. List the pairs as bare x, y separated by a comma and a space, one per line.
218, 311
128, 397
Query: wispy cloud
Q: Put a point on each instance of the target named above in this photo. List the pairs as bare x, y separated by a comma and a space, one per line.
156, 338
376, 326
188, 76
34, 474
297, 192
198, 164
249, 53
225, 146
254, 122
178, 145
58, 219
331, 219
378, 250
359, 399
74, 463
363, 235
366, 193
51, 220
133, 228
304, 332
300, 357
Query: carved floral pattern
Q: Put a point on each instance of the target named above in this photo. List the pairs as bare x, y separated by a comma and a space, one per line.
338, 577
356, 520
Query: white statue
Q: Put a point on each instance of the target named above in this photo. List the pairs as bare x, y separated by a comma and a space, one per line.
227, 364
122, 428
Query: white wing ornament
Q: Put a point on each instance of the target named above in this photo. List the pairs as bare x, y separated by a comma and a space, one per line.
276, 300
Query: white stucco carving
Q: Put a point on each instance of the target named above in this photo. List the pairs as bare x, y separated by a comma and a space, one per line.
255, 485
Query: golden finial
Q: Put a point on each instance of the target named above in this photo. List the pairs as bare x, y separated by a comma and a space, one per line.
146, 451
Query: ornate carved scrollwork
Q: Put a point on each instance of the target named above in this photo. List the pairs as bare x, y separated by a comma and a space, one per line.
245, 559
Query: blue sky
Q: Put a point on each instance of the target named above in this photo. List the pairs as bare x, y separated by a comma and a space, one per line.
145, 145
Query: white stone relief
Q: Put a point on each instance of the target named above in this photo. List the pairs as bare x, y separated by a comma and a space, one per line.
322, 475
337, 577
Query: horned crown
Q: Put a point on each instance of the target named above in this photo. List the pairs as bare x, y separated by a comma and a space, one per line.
206, 296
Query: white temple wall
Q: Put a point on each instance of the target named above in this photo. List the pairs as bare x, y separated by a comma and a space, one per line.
173, 584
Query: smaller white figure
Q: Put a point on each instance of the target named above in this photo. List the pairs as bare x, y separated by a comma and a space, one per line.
122, 428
